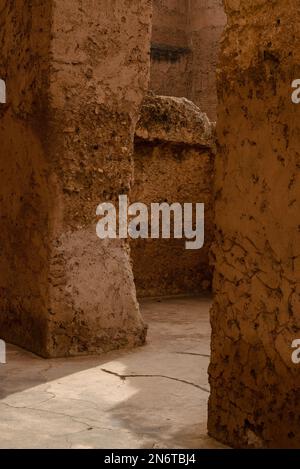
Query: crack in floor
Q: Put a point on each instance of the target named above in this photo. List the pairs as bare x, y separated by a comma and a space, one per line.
194, 354
60, 414
89, 426
124, 377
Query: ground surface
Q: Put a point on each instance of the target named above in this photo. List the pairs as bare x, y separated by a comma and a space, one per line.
151, 397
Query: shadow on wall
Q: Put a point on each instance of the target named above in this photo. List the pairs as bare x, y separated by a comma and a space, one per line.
185, 45
173, 163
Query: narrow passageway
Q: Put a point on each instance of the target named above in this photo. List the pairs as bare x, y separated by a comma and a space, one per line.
150, 397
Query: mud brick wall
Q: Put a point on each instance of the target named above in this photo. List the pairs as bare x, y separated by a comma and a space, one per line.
190, 31
76, 73
173, 162
170, 48
255, 387
206, 25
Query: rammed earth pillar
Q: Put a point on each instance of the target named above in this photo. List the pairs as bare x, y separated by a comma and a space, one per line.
76, 73
255, 386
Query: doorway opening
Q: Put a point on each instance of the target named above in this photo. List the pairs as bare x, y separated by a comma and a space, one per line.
174, 163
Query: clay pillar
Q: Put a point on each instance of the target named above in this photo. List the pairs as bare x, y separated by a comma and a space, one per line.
76, 73
255, 398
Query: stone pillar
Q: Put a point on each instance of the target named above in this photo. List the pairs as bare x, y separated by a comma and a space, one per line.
76, 73
255, 386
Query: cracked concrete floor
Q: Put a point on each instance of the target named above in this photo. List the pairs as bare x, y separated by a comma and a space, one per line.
151, 397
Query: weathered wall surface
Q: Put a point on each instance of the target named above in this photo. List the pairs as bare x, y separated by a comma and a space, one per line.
170, 54
25, 190
189, 33
67, 139
255, 387
206, 25
170, 22
173, 162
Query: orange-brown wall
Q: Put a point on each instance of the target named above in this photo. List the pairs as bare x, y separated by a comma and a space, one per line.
173, 163
207, 20
76, 74
192, 29
255, 398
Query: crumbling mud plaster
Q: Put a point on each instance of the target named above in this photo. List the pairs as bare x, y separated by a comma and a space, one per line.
173, 162
76, 73
255, 387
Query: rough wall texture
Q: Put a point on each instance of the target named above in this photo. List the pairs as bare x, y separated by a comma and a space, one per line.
25, 190
188, 33
255, 387
207, 22
170, 22
173, 162
170, 53
75, 76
